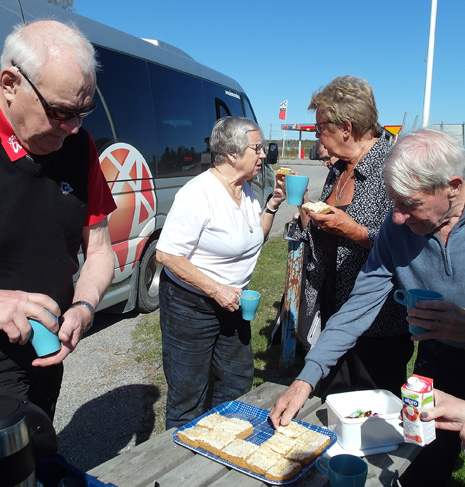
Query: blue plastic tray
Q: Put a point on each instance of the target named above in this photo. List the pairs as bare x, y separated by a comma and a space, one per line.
262, 431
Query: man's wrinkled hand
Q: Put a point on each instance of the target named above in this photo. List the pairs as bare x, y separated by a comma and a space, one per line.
289, 403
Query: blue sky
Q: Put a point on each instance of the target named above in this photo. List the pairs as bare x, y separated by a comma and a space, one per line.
286, 50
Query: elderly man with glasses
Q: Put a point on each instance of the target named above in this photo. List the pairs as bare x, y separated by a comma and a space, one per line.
55, 200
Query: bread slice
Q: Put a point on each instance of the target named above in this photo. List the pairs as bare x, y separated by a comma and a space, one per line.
215, 440
261, 460
281, 173
192, 436
238, 451
241, 428
318, 207
308, 446
280, 443
292, 430
211, 421
283, 469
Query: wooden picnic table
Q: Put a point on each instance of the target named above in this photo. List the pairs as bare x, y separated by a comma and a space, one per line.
161, 459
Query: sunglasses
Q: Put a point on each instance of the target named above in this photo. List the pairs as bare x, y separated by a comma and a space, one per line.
257, 148
318, 126
60, 114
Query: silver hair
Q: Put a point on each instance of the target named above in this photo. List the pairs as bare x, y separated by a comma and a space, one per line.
32, 46
423, 161
229, 136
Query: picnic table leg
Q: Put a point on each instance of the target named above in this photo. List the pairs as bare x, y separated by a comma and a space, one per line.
291, 303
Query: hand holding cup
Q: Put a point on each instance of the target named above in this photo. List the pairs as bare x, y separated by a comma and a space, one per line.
411, 297
249, 302
44, 341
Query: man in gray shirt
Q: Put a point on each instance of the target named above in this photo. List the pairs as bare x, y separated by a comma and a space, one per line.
421, 244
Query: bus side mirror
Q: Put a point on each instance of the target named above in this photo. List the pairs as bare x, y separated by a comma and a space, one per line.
272, 155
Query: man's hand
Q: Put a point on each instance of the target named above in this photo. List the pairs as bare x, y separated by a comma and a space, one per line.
289, 403
73, 325
441, 319
17, 306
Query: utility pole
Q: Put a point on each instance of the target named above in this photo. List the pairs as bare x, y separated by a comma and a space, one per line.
429, 63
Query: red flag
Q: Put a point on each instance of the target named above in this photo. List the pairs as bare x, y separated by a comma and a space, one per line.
283, 110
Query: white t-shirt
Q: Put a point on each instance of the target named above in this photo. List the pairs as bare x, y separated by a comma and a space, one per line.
208, 228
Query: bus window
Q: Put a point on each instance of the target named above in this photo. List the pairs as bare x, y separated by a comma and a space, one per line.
221, 102
128, 104
248, 109
180, 122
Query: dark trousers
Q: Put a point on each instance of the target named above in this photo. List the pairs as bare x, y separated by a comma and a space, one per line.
18, 379
435, 463
198, 338
373, 363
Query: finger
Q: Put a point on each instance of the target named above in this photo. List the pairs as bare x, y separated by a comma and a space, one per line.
42, 301
53, 359
275, 416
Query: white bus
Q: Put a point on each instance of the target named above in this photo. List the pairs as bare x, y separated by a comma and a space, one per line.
156, 110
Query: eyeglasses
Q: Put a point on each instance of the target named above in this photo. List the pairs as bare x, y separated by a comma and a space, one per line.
257, 148
318, 126
52, 112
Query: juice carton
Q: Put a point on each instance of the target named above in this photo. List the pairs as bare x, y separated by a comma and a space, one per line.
417, 395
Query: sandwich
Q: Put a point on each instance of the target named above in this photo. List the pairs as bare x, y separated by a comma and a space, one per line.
318, 207
281, 173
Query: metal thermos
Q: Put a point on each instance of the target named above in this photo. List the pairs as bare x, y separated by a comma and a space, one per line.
17, 464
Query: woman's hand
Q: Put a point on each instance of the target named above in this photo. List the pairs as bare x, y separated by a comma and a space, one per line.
339, 223
228, 297
279, 195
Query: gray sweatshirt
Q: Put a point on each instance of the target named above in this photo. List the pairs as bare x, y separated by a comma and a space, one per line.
398, 256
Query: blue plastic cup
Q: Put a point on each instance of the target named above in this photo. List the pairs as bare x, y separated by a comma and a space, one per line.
249, 302
42, 339
411, 297
295, 188
344, 470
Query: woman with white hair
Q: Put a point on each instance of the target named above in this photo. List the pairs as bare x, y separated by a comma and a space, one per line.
209, 246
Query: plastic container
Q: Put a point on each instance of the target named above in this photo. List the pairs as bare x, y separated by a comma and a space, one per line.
368, 433
55, 471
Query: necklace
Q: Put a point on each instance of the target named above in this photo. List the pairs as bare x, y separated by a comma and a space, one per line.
238, 199
340, 192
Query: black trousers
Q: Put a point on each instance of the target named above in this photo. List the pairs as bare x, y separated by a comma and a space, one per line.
18, 379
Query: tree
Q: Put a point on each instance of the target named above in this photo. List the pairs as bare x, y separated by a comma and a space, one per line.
68, 4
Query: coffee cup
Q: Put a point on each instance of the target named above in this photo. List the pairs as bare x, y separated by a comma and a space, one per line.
295, 188
411, 297
249, 302
344, 470
44, 341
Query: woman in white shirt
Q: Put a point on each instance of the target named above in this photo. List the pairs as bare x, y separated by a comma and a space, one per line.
209, 247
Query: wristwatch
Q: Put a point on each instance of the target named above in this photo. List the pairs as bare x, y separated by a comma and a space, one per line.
89, 307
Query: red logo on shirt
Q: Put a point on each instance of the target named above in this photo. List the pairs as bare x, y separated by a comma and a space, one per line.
14, 144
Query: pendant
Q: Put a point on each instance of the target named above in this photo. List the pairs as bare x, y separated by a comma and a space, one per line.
250, 229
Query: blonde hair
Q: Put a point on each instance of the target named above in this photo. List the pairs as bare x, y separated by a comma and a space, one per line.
348, 98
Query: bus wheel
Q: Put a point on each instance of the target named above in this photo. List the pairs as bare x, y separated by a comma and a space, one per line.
149, 279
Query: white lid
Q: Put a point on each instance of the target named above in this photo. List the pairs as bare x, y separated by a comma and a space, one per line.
414, 383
